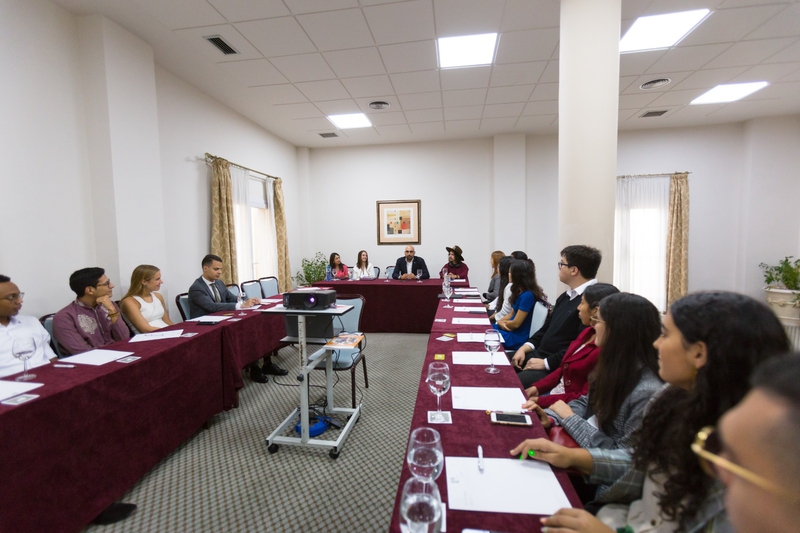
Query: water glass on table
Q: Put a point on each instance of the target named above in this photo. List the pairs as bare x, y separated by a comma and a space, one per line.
419, 275
421, 506
425, 455
492, 341
241, 298
439, 383
24, 349
447, 290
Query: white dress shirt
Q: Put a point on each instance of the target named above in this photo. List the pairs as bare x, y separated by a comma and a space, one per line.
20, 327
578, 291
369, 272
212, 287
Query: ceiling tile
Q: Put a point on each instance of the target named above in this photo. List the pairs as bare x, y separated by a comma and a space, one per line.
545, 107
538, 121
545, 91
361, 134
794, 76
311, 6
625, 114
317, 91
307, 67
386, 118
708, 78
550, 74
182, 13
393, 130
502, 110
463, 112
408, 57
498, 124
277, 37
749, 53
637, 63
771, 73
527, 14
420, 101
401, 22
729, 25
462, 125
356, 62
636, 101
465, 78
784, 24
416, 82
255, 72
507, 95
368, 86
238, 10
464, 97
363, 103
279, 94
781, 90
351, 29
293, 111
427, 127
424, 115
529, 45
685, 58
658, 7
314, 124
790, 53
675, 97
626, 81
467, 17
338, 107
676, 78
632, 9
517, 74
195, 37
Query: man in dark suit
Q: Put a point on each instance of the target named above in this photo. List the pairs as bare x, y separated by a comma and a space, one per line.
208, 294
544, 351
407, 266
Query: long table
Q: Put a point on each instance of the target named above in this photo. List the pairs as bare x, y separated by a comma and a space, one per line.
391, 305
472, 428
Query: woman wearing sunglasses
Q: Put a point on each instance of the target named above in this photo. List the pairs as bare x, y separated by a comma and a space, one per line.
709, 346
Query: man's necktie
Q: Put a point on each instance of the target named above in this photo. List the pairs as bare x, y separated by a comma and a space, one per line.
216, 292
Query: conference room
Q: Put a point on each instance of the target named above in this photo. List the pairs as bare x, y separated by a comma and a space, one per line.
120, 102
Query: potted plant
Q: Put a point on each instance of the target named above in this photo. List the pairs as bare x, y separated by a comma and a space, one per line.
312, 270
783, 288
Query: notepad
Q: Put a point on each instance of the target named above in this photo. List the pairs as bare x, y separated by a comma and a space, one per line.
9, 389
96, 357
472, 321
156, 335
479, 358
487, 398
209, 318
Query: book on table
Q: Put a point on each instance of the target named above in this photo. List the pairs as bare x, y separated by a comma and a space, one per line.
344, 340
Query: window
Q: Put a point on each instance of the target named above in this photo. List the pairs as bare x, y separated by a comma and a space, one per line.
256, 249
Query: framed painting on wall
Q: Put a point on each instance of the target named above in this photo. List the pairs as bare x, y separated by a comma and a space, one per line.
399, 222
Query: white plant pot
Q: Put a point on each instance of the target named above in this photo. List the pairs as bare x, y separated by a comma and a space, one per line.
784, 304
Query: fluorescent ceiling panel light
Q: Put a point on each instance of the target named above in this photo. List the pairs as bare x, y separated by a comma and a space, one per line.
729, 92
660, 31
467, 51
349, 121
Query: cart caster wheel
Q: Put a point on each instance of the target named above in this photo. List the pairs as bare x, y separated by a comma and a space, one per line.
273, 448
333, 454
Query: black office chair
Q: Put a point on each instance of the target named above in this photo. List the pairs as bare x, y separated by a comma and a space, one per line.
47, 323
182, 301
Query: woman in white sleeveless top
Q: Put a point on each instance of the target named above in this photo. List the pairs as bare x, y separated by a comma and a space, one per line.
363, 268
143, 307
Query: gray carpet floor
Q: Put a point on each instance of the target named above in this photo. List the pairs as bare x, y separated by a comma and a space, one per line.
224, 479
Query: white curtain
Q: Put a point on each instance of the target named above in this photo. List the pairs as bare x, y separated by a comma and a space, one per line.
242, 223
270, 254
640, 237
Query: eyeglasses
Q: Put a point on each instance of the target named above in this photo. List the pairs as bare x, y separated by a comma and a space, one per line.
106, 284
14, 297
707, 446
594, 321
560, 264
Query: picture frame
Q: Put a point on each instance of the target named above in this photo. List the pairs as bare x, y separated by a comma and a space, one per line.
399, 222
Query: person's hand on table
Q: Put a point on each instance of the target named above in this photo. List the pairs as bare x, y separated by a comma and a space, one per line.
250, 302
562, 409
530, 405
555, 454
532, 393
534, 363
519, 357
574, 520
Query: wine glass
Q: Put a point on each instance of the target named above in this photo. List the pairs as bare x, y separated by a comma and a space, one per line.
444, 274
387, 276
419, 275
24, 349
491, 341
241, 298
439, 383
425, 455
421, 506
447, 290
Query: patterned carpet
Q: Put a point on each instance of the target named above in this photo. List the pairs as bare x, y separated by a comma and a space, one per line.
224, 479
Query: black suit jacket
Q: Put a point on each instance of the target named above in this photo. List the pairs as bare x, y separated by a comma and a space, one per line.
561, 328
416, 264
201, 299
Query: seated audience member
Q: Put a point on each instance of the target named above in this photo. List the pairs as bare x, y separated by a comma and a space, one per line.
624, 380
570, 380
500, 307
15, 326
338, 269
525, 292
494, 283
143, 306
519, 255
363, 268
710, 344
456, 267
93, 319
544, 350
208, 294
406, 267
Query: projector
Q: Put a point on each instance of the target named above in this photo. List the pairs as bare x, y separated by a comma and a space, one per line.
316, 299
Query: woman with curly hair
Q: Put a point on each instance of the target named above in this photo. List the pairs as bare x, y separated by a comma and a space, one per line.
709, 346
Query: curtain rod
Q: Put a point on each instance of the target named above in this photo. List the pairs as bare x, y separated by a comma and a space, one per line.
209, 157
664, 174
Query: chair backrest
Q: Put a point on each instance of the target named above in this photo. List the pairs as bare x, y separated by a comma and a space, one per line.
182, 301
234, 288
269, 286
252, 289
351, 321
539, 316
389, 271
47, 322
378, 271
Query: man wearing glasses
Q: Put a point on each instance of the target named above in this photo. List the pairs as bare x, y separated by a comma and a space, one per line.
13, 326
92, 320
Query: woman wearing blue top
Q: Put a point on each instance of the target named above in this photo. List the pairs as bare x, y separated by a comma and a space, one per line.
525, 292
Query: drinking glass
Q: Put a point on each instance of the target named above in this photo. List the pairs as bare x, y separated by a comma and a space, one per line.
439, 383
419, 275
421, 506
491, 341
241, 298
444, 274
447, 290
387, 276
425, 455
24, 349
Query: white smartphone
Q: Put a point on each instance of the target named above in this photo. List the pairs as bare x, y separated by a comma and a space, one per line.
511, 419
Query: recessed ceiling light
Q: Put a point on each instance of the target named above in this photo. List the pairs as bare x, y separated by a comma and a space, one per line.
379, 104
654, 84
729, 92
660, 31
467, 51
351, 120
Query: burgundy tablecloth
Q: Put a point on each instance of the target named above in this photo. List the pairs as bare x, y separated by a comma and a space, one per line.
96, 430
393, 305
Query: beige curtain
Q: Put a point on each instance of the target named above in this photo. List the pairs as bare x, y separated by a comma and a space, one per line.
223, 241
284, 269
678, 237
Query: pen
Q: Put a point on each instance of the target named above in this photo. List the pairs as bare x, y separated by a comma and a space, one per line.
531, 453
480, 458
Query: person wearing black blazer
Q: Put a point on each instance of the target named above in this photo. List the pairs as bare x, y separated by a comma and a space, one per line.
417, 263
546, 348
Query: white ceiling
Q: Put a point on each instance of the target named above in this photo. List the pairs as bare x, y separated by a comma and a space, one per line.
300, 60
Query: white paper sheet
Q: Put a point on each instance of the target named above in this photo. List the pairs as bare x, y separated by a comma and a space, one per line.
504, 486
466, 290
9, 389
156, 335
472, 321
209, 318
465, 300
461, 280
96, 357
479, 358
465, 309
487, 398
272, 301
470, 337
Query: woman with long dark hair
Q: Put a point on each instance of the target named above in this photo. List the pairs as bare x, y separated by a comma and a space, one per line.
709, 346
525, 292
338, 269
500, 306
363, 268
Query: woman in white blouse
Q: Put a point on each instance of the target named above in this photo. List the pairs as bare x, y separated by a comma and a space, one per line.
143, 306
363, 268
